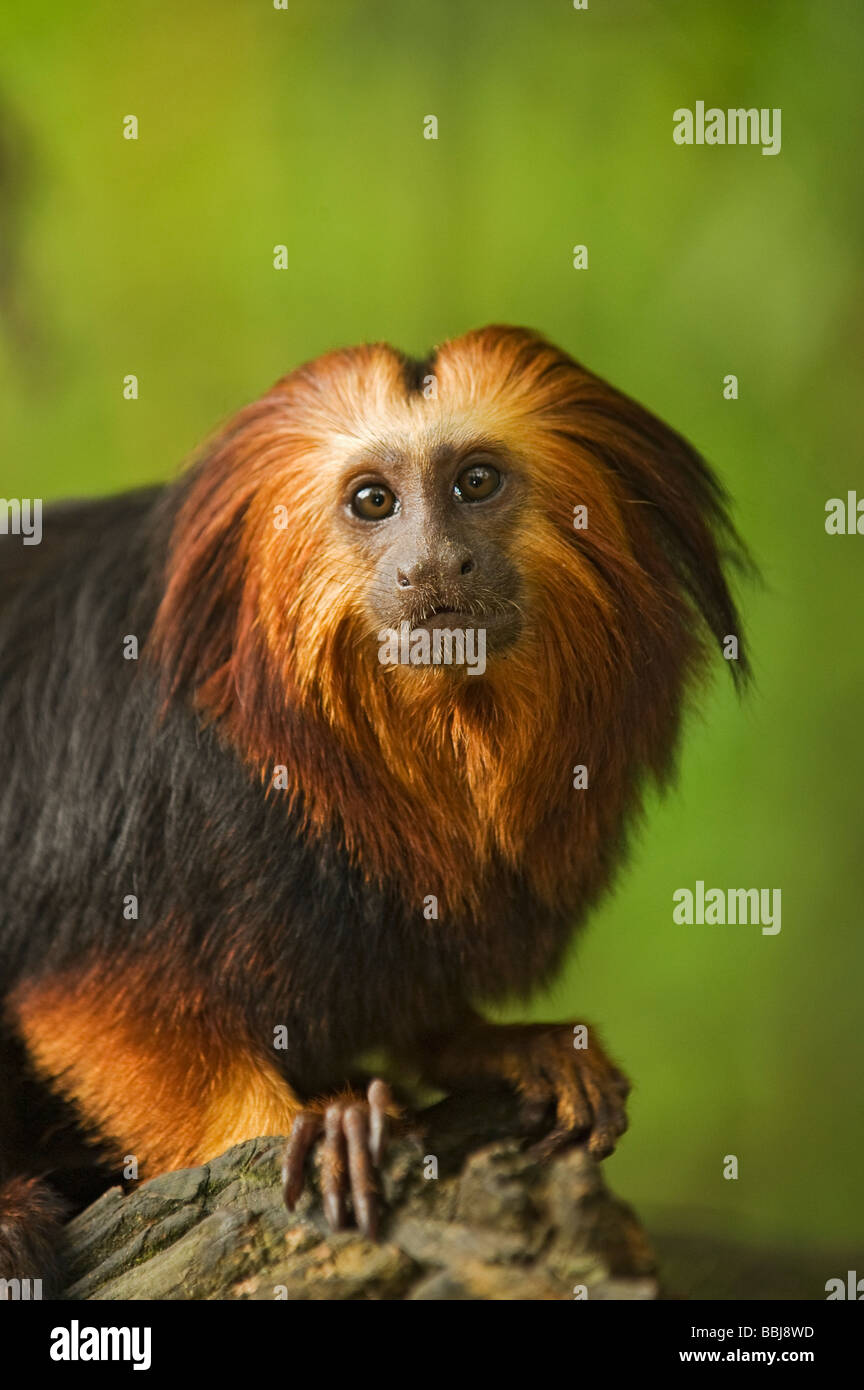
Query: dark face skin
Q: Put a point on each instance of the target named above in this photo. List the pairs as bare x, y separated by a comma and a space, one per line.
435, 528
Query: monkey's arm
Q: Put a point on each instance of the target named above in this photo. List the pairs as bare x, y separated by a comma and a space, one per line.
560, 1065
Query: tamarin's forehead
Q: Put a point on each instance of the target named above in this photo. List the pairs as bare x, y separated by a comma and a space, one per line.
364, 409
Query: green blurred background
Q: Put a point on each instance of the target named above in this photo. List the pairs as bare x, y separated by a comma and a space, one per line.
304, 127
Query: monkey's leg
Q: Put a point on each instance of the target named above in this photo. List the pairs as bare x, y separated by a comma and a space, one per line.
547, 1067
171, 1088
175, 1090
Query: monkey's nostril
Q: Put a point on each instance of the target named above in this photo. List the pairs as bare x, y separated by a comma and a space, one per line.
467, 566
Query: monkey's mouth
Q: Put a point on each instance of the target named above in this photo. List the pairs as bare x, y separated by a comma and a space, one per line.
441, 617
498, 630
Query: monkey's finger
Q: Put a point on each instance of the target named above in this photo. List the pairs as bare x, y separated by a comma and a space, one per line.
332, 1169
619, 1114
356, 1126
601, 1142
616, 1089
537, 1106
304, 1132
536, 1099
616, 1118
607, 1115
558, 1138
380, 1099
572, 1104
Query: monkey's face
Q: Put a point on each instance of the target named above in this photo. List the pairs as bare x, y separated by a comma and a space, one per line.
451, 509
404, 510
508, 489
431, 528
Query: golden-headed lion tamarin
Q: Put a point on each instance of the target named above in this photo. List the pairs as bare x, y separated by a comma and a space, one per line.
312, 840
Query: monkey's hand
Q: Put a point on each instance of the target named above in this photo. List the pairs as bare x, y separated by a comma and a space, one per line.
556, 1068
353, 1130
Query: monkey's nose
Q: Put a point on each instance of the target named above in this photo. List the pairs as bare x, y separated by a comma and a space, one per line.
440, 570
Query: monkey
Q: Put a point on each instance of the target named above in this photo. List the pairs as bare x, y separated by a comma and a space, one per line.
223, 817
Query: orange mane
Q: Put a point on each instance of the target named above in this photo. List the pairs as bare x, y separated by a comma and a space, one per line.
428, 780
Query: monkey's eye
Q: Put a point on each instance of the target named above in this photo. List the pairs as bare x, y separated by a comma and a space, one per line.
476, 483
373, 502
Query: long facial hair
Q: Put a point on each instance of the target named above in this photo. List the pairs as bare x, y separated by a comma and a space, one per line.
429, 777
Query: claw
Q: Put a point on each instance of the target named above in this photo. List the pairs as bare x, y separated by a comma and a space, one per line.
333, 1168
304, 1132
363, 1194
602, 1142
379, 1097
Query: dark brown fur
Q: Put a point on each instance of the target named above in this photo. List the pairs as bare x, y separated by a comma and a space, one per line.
302, 906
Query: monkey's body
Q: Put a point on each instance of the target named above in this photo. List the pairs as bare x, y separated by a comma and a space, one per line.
276, 935
96, 809
236, 910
